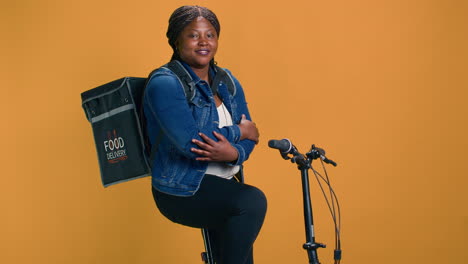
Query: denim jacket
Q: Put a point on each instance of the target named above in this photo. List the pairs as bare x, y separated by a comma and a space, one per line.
174, 121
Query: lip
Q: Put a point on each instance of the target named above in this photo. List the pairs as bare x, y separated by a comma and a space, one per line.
203, 52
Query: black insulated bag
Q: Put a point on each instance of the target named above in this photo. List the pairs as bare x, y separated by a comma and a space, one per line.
113, 111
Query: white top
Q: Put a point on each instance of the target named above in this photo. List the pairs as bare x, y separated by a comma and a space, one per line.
222, 169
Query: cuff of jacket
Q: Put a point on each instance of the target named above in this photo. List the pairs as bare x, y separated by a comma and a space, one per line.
235, 132
240, 157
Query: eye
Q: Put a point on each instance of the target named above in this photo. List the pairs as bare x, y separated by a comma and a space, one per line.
193, 35
211, 35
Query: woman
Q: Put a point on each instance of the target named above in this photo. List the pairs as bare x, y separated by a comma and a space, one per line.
202, 141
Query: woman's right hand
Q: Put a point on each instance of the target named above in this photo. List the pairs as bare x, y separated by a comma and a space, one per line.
248, 129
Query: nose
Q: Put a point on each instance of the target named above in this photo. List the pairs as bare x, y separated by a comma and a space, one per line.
202, 41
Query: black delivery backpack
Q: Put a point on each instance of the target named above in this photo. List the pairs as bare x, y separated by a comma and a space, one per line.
115, 113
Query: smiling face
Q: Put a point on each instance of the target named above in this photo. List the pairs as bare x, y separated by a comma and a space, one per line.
197, 43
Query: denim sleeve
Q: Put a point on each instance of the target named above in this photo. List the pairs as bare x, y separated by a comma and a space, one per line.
166, 101
245, 146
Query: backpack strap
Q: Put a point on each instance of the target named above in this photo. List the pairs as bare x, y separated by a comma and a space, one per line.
223, 77
184, 78
182, 75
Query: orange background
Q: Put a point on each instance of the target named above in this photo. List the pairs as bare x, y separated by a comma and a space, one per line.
381, 85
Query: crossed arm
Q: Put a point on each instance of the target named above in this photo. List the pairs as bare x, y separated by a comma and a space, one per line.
222, 150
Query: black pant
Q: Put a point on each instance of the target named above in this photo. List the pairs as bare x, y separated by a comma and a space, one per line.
232, 212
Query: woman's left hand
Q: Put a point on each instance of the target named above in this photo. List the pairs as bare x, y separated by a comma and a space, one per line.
212, 150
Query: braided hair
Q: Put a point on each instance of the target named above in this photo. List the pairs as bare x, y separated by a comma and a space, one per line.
183, 16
